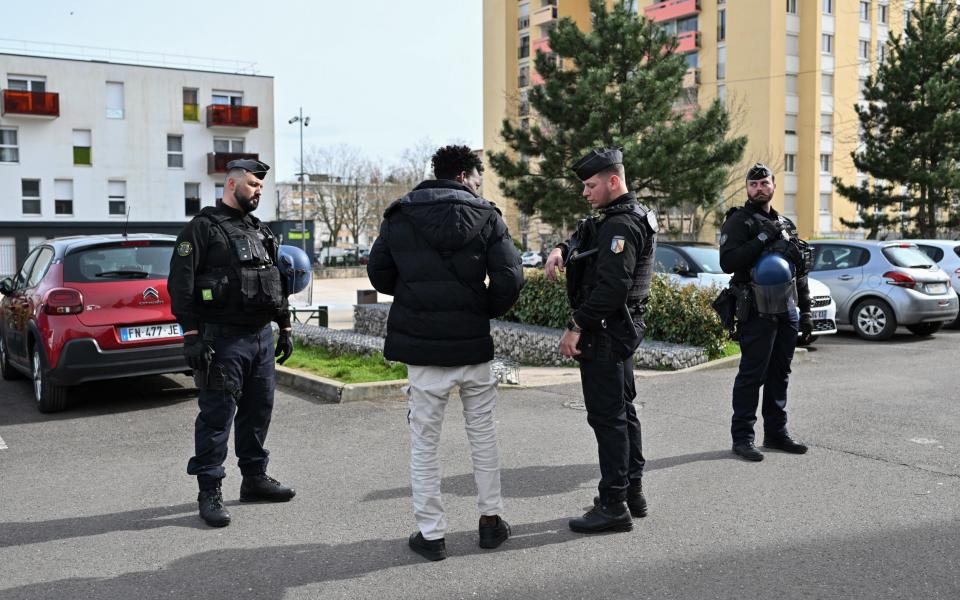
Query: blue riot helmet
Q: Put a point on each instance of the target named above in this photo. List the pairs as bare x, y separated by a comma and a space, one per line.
295, 271
774, 286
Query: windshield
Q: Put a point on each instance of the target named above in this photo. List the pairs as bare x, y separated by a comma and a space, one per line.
908, 257
112, 263
707, 258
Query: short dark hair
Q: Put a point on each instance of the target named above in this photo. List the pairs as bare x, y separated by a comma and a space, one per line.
450, 161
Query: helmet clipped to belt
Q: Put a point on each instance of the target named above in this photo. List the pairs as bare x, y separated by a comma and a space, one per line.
774, 286
295, 269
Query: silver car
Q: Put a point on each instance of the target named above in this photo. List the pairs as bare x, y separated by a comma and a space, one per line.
946, 253
880, 285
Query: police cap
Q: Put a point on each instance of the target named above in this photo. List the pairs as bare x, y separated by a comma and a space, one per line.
597, 160
758, 171
256, 167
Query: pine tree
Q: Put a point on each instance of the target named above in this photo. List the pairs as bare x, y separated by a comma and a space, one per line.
910, 126
620, 92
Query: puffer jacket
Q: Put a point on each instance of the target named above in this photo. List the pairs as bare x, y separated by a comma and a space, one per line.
437, 247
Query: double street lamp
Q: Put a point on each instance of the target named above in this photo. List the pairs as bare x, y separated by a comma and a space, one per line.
304, 121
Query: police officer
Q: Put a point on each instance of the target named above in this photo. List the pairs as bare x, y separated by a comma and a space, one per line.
609, 263
226, 289
767, 311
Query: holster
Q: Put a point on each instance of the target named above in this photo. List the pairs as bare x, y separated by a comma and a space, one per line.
744, 297
725, 306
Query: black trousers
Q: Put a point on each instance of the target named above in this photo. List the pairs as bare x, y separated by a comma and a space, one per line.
608, 393
767, 344
240, 383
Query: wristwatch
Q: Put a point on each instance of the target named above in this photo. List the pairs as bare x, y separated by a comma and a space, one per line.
572, 326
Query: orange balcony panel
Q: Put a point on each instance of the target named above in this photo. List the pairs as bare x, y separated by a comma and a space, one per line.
217, 161
688, 42
671, 9
543, 15
225, 115
543, 45
31, 104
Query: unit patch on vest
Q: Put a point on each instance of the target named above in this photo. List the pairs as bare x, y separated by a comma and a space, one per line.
723, 239
184, 248
616, 244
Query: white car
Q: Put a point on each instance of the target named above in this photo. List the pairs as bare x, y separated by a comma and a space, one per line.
696, 263
531, 259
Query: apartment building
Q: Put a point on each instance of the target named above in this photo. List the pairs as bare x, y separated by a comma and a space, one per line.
86, 145
791, 70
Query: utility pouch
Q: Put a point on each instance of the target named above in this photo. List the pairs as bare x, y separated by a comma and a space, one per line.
725, 306
260, 288
744, 302
212, 290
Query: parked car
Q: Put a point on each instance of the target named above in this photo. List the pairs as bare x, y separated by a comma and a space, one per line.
698, 263
531, 259
880, 285
88, 308
946, 253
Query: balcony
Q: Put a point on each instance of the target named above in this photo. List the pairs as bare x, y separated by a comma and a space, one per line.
225, 115
691, 78
671, 9
688, 42
217, 161
543, 15
31, 104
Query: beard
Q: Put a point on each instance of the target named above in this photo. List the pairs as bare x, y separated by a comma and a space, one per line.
247, 204
760, 198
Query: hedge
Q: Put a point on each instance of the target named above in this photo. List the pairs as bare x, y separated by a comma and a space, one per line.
677, 314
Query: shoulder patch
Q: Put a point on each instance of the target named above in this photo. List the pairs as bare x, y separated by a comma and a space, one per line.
723, 239
652, 221
617, 243
184, 248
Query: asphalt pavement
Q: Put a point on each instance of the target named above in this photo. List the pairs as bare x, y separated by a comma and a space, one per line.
95, 502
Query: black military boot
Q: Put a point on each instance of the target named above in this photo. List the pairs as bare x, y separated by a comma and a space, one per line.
600, 518
493, 531
784, 443
429, 549
262, 487
211, 508
748, 451
635, 501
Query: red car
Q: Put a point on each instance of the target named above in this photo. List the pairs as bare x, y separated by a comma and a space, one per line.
88, 308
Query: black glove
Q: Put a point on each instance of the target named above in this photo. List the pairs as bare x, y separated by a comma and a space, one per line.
284, 345
806, 327
198, 354
789, 251
772, 229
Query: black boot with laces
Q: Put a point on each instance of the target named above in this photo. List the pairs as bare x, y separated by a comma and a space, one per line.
263, 488
211, 508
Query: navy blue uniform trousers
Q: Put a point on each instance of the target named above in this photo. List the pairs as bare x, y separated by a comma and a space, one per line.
240, 383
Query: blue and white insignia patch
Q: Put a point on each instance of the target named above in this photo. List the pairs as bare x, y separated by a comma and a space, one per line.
723, 239
617, 243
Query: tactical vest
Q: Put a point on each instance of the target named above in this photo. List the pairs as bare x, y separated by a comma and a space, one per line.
251, 280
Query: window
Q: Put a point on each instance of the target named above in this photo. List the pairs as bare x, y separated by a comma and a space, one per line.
826, 43
63, 196
790, 124
191, 104
228, 98
790, 204
834, 256
9, 151
825, 160
670, 27
789, 163
826, 123
40, 266
234, 145
114, 100
721, 62
27, 83
175, 151
218, 192
721, 25
82, 147
524, 50
687, 25
826, 84
722, 92
825, 202
30, 192
864, 50
793, 45
791, 82
882, 13
693, 60
668, 260
828, 7
791, 7
881, 53
865, 10
117, 201
191, 199
862, 87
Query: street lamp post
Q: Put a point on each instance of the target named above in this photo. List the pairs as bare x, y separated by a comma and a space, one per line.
304, 121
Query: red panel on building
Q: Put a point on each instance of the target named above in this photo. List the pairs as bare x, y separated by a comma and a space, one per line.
37, 104
671, 9
217, 161
688, 42
225, 115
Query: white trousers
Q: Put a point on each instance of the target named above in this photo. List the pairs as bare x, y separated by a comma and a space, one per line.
428, 392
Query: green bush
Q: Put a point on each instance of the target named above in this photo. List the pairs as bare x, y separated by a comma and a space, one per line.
677, 314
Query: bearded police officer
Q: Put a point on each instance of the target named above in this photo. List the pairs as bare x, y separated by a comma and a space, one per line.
226, 289
609, 263
769, 265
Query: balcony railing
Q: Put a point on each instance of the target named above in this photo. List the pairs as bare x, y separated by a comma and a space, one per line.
671, 9
543, 15
523, 22
33, 104
691, 78
217, 161
225, 115
688, 41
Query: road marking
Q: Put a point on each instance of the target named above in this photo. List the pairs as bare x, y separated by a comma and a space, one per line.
3, 445
924, 441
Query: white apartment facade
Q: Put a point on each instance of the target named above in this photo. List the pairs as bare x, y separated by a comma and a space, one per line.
84, 143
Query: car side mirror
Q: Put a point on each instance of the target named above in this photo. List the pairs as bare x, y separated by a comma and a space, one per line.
682, 268
6, 286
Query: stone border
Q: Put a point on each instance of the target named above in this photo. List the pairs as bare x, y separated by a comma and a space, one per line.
337, 392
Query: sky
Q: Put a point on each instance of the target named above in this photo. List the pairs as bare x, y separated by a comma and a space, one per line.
379, 75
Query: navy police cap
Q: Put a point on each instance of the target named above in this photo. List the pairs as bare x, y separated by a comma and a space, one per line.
758, 171
597, 160
256, 167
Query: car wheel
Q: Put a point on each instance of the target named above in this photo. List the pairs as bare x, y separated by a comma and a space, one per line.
955, 324
6, 369
49, 397
873, 320
925, 329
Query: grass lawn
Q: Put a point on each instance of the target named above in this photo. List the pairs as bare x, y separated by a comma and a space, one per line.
348, 368
730, 349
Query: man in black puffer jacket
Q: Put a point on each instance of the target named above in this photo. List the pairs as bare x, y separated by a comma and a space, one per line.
437, 247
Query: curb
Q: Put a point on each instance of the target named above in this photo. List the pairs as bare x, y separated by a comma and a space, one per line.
337, 392
733, 362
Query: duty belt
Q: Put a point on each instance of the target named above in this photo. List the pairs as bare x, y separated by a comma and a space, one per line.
218, 329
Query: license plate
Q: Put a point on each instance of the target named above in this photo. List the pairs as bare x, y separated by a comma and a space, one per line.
819, 315
936, 288
150, 332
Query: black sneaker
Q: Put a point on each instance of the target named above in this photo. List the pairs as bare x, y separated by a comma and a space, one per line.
262, 487
748, 451
600, 518
785, 444
429, 549
211, 508
492, 535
